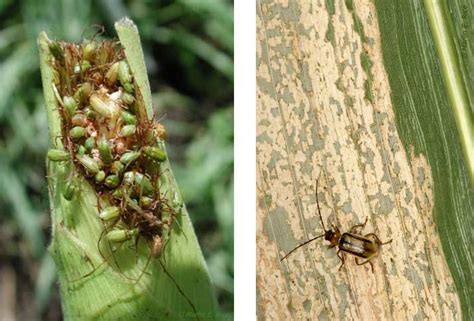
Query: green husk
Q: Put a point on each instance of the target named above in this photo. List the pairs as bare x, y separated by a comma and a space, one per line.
117, 288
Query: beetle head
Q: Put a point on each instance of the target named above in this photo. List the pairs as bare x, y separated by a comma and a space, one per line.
332, 237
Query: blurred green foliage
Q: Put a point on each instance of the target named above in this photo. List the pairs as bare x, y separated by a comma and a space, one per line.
188, 47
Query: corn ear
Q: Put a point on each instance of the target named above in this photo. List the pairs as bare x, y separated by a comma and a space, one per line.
94, 287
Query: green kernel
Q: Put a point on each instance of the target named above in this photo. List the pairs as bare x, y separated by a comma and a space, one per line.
118, 236
70, 105
56, 155
128, 130
112, 74
129, 157
127, 98
129, 118
88, 163
100, 176
77, 132
89, 144
109, 213
81, 150
155, 153
128, 87
124, 72
112, 181
105, 150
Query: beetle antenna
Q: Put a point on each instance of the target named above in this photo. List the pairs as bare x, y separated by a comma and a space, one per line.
319, 209
309, 241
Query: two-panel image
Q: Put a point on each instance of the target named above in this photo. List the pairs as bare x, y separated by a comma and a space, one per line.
122, 173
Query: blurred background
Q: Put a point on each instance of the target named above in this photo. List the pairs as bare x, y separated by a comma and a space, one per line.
188, 47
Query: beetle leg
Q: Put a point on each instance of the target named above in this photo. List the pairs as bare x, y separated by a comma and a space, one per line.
377, 238
355, 227
341, 257
365, 262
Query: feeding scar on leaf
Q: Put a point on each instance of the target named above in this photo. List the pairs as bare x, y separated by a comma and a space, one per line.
324, 113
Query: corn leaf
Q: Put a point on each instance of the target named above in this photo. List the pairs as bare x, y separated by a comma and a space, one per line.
350, 95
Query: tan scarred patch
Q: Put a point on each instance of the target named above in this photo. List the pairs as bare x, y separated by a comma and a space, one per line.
314, 121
